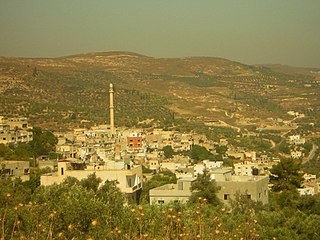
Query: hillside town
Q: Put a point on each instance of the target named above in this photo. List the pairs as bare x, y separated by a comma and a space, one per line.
123, 154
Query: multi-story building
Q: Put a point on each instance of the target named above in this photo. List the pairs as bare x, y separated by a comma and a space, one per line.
135, 142
245, 168
296, 140
253, 187
15, 130
128, 176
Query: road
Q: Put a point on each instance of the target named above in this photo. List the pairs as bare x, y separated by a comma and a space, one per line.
311, 154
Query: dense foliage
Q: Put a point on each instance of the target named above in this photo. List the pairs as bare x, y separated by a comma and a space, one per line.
71, 211
168, 151
199, 153
286, 175
204, 188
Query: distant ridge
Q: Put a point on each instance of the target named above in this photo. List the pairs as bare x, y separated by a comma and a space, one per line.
152, 88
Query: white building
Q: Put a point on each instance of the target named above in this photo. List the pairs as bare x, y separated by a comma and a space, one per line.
296, 140
206, 164
296, 154
244, 168
129, 177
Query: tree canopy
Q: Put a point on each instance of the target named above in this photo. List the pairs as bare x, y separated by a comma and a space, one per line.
199, 153
205, 188
286, 175
168, 151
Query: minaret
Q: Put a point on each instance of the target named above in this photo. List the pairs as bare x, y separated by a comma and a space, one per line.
111, 108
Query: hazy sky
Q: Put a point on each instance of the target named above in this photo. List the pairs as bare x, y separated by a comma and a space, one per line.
249, 31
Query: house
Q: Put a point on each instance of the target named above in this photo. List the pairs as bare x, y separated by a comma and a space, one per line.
16, 169
171, 166
253, 187
128, 176
309, 186
154, 165
245, 168
15, 130
206, 164
223, 142
168, 193
296, 154
296, 140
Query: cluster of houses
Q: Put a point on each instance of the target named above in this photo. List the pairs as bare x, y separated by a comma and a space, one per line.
119, 154
15, 130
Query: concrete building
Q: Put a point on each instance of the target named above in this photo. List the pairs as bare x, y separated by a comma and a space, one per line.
15, 130
296, 140
206, 164
129, 177
135, 142
154, 165
179, 192
245, 168
296, 154
253, 187
171, 166
15, 169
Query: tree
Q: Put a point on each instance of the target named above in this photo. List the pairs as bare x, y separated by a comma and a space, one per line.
91, 182
70, 181
5, 151
286, 175
43, 142
221, 149
168, 151
284, 147
114, 199
199, 153
205, 188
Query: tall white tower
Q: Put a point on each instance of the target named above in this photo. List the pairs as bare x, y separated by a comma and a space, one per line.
111, 108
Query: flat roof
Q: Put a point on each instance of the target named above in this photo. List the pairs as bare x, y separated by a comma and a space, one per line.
221, 170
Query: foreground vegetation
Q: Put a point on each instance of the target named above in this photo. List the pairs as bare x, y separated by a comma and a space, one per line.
81, 210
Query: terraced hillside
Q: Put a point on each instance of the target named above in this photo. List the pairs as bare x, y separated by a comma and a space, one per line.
72, 91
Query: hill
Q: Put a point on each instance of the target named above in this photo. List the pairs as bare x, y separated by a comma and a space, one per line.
73, 90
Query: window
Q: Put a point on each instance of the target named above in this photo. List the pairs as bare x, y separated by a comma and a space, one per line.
259, 195
129, 181
226, 196
160, 201
265, 192
249, 196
